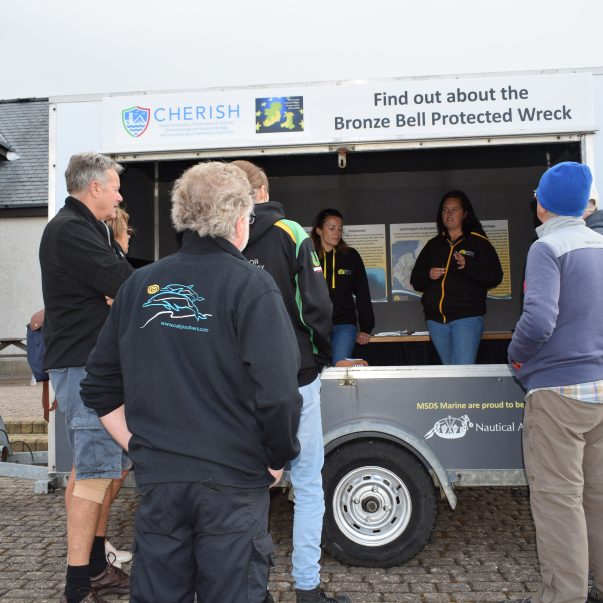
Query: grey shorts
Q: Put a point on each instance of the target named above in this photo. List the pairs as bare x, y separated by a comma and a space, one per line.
95, 452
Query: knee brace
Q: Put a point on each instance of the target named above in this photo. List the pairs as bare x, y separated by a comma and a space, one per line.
92, 489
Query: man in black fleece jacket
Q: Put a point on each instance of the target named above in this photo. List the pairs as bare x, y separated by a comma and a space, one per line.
183, 377
79, 270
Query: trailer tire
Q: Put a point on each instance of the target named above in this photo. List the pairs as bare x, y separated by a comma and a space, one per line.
381, 504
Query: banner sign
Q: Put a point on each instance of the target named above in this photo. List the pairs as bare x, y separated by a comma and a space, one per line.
385, 110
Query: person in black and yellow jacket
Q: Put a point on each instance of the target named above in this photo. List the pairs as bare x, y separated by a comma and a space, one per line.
454, 271
282, 248
353, 318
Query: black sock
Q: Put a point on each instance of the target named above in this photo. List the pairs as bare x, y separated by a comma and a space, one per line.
98, 561
77, 585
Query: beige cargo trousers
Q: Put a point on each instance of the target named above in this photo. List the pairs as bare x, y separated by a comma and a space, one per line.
563, 455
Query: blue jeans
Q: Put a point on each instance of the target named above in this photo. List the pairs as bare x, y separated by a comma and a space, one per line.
457, 341
343, 340
306, 478
95, 452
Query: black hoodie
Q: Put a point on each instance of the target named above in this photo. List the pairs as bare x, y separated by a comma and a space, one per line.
595, 221
459, 293
283, 248
349, 288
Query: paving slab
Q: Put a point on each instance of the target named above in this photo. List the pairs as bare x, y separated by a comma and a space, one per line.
20, 400
483, 551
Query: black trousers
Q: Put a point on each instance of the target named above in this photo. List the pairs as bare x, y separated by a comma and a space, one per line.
203, 538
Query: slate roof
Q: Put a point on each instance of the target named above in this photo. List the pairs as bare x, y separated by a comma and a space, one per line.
4, 146
24, 131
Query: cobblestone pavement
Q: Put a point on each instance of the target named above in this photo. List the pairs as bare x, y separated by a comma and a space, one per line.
482, 551
19, 399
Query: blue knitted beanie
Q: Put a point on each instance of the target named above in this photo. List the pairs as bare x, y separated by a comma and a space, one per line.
564, 189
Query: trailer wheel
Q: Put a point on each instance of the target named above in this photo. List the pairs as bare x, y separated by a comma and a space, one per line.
381, 504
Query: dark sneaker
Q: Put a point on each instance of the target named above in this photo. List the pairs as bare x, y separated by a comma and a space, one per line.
111, 581
91, 597
317, 595
594, 596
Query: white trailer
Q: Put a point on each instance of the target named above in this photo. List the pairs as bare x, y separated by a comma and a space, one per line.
396, 437
383, 151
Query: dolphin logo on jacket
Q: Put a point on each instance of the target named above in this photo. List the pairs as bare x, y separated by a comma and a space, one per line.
178, 301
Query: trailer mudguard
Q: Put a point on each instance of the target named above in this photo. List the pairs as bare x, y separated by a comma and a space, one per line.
372, 429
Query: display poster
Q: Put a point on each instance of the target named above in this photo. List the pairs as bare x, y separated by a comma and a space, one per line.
407, 241
369, 241
498, 233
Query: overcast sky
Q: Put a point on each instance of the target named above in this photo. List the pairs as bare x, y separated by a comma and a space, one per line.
58, 47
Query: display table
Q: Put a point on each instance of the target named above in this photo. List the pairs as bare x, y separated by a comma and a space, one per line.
413, 349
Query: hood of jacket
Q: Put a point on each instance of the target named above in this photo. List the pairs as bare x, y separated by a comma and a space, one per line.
595, 221
266, 214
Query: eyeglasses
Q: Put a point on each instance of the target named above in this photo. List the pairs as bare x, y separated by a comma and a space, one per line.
251, 218
451, 210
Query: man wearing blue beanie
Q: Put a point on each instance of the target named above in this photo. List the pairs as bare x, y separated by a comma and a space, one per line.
557, 355
564, 189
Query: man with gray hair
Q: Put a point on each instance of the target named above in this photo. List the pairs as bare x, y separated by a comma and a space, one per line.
195, 374
79, 270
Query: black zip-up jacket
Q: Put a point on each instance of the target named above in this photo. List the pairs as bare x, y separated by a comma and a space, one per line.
199, 348
79, 267
283, 248
459, 293
350, 280
595, 221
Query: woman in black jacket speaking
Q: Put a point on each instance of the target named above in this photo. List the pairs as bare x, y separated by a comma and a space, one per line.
344, 271
454, 271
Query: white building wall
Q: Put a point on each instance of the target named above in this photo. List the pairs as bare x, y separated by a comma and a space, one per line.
20, 283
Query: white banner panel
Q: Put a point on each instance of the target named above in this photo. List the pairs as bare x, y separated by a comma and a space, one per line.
351, 112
